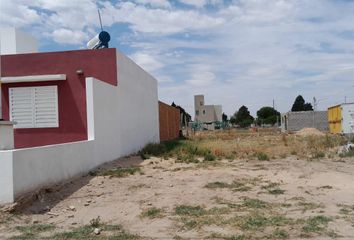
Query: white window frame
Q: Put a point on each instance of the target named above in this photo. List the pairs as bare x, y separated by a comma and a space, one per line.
35, 108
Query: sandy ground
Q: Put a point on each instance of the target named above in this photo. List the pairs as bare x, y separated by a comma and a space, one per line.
165, 184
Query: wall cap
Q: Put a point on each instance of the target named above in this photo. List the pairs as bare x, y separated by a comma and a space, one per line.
7, 123
33, 78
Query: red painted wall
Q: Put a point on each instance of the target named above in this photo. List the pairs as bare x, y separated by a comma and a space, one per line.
100, 64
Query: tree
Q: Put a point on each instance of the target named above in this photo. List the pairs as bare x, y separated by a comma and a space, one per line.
224, 117
308, 107
267, 115
233, 119
300, 105
242, 117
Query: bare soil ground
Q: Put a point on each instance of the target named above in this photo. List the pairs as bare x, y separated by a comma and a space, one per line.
282, 198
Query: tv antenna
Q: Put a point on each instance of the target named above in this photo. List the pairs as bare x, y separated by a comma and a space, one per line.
99, 17
100, 40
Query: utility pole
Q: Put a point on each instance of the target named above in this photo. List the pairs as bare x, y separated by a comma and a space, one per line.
273, 104
314, 110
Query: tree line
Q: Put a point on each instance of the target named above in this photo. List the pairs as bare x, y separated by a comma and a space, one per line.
265, 115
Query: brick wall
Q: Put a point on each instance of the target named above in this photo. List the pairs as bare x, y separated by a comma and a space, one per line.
169, 122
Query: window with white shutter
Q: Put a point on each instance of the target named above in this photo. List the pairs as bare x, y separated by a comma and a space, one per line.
34, 107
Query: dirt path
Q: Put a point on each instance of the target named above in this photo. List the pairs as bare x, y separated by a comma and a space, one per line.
243, 199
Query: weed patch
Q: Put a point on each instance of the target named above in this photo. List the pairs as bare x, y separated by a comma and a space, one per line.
237, 186
209, 157
152, 213
186, 210
254, 203
261, 156
350, 153
316, 224
280, 234
318, 155
196, 216
116, 232
254, 222
308, 206
119, 172
273, 188
276, 191
32, 231
325, 187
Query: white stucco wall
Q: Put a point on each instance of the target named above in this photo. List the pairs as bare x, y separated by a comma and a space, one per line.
6, 135
121, 120
209, 113
14, 41
6, 177
348, 118
218, 112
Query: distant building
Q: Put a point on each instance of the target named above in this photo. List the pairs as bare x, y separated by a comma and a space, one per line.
206, 114
185, 117
295, 121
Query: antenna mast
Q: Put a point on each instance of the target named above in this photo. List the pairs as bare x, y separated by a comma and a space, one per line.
99, 16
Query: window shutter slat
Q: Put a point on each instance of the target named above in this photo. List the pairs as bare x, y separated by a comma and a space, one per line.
34, 107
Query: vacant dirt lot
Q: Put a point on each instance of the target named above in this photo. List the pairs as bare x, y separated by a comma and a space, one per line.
257, 194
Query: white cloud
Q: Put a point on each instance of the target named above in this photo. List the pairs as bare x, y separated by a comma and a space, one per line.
202, 3
197, 3
270, 50
13, 13
155, 3
80, 17
252, 51
68, 36
200, 79
201, 76
161, 21
146, 61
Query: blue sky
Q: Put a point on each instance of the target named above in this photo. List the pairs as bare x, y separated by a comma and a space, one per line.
236, 52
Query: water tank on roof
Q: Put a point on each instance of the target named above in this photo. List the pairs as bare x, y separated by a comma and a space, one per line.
99, 41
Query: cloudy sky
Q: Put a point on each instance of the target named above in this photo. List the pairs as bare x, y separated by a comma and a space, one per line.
235, 52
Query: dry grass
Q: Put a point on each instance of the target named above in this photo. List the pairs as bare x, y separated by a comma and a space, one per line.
263, 145
267, 142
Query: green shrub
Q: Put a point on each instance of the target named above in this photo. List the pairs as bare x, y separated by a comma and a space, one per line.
153, 149
185, 210
209, 157
350, 153
262, 156
316, 224
317, 155
95, 222
152, 213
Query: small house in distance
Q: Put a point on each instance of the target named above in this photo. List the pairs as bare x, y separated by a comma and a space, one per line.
341, 118
295, 121
207, 115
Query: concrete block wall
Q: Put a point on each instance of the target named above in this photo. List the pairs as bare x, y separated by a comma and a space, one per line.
295, 121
